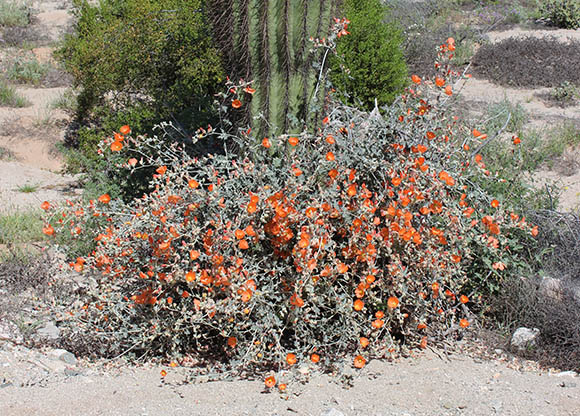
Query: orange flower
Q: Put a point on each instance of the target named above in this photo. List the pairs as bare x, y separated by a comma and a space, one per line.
364, 342
291, 359
232, 342
423, 343
105, 199
282, 387
48, 230
463, 299
358, 305
161, 170
240, 234
194, 254
293, 141
125, 130
463, 323
359, 361
45, 205
132, 162
270, 382
448, 90
330, 139
439, 81
535, 231
351, 190
378, 323
116, 146
415, 79
476, 133
246, 296
163, 373
243, 244
498, 265
494, 203
516, 140
421, 325
430, 135
333, 173
330, 156
393, 302
266, 143
172, 364
249, 90
236, 103
314, 358
190, 276
193, 183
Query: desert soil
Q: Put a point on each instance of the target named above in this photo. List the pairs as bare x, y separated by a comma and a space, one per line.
46, 382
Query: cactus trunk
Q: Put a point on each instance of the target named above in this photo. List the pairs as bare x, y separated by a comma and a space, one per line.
267, 41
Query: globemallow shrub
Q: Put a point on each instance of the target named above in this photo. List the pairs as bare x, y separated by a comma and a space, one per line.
304, 251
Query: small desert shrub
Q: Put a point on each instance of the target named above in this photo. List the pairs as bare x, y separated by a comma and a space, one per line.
564, 95
365, 238
369, 65
9, 97
27, 72
154, 54
505, 113
20, 227
528, 62
521, 302
14, 13
562, 13
66, 102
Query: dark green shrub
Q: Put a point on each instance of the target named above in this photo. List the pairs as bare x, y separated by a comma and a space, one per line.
155, 54
369, 64
562, 13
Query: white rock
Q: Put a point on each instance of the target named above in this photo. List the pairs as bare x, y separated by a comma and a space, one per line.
524, 338
48, 331
566, 374
332, 412
551, 287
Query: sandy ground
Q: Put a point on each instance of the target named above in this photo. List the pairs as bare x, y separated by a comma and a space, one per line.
429, 384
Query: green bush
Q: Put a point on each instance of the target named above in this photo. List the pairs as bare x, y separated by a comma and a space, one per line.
369, 64
14, 13
153, 54
10, 98
562, 13
27, 72
367, 236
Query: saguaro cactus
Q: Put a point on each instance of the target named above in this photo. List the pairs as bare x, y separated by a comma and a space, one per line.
267, 41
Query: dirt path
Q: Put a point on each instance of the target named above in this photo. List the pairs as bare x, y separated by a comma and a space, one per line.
29, 135
425, 385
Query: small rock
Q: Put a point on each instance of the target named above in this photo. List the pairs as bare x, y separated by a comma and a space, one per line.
524, 338
498, 351
568, 384
49, 332
71, 372
332, 412
551, 288
63, 355
566, 374
496, 405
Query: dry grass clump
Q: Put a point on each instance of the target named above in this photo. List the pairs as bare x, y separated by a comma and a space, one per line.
560, 239
529, 62
522, 303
